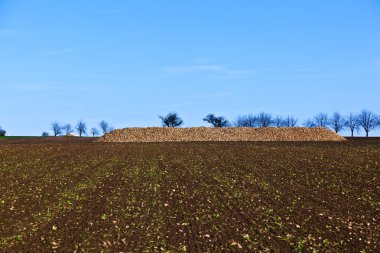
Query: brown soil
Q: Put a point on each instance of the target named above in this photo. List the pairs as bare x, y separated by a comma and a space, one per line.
158, 134
195, 197
39, 140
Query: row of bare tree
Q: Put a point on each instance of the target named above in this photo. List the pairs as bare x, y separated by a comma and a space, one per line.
366, 120
81, 128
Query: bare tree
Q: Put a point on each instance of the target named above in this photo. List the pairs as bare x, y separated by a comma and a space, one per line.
320, 120
246, 121
309, 123
368, 121
94, 131
45, 134
81, 128
352, 123
337, 122
278, 121
68, 129
290, 121
216, 121
264, 119
171, 120
104, 126
57, 128
2, 132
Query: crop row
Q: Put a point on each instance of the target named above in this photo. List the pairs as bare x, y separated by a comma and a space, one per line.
196, 197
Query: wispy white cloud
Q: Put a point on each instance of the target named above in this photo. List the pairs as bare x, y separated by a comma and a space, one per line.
62, 51
203, 60
377, 61
106, 11
215, 95
12, 33
194, 68
205, 68
37, 87
54, 88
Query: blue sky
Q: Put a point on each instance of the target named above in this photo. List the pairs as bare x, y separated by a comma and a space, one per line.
129, 61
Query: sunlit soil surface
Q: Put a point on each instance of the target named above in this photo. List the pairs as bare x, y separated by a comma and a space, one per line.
195, 197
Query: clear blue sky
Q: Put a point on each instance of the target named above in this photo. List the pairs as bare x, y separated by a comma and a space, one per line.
129, 61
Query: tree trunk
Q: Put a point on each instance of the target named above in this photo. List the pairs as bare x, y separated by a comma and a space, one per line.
366, 132
352, 133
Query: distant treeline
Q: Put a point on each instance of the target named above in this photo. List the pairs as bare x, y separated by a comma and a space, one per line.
365, 120
80, 128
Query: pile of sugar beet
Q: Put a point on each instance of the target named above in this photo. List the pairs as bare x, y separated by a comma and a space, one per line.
169, 134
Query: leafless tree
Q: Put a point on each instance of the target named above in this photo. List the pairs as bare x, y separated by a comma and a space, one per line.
171, 120
352, 123
290, 121
320, 120
264, 119
104, 126
94, 131
45, 134
2, 132
245, 121
368, 121
68, 129
216, 121
309, 123
57, 128
81, 128
278, 121
337, 122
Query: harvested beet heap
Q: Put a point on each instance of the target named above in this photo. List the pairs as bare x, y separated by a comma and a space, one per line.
159, 134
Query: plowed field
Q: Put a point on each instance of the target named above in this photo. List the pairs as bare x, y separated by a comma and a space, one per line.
194, 197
